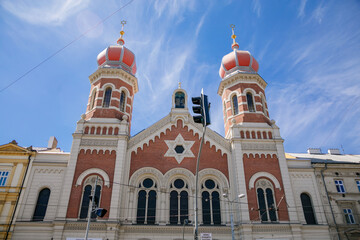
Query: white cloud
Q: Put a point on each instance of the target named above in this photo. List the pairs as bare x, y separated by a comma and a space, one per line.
319, 13
45, 12
301, 11
257, 7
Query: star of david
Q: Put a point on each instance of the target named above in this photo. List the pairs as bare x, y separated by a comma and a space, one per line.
179, 141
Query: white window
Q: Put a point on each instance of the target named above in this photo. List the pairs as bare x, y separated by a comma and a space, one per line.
349, 217
3, 178
340, 186
358, 184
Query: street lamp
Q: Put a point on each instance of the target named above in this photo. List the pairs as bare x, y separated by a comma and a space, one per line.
225, 195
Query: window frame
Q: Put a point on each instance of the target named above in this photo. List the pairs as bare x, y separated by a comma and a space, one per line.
123, 101
357, 181
179, 191
148, 191
253, 108
92, 100
40, 207
235, 107
4, 176
264, 185
349, 216
307, 211
107, 98
211, 201
90, 181
340, 187
181, 105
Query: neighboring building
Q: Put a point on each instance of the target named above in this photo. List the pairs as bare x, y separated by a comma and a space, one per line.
338, 178
14, 162
147, 181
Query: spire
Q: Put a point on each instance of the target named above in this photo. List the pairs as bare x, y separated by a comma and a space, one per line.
179, 84
121, 41
235, 45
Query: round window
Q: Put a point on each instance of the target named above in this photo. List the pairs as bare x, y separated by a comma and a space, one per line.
179, 183
210, 184
148, 183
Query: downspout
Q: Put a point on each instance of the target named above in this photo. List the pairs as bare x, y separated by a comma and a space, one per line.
18, 198
327, 194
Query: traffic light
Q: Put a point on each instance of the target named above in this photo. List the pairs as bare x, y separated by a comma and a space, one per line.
203, 109
100, 212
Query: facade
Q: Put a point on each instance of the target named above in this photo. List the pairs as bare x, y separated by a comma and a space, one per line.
338, 178
14, 164
147, 181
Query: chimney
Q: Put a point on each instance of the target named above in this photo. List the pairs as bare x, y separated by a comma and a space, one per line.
52, 142
314, 150
334, 151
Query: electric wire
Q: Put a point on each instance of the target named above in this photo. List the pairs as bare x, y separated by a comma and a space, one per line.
65, 46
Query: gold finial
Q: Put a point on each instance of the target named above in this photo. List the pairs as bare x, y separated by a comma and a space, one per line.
179, 85
235, 45
121, 41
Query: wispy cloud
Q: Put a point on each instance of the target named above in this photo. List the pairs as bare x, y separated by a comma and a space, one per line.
319, 13
44, 12
301, 11
257, 7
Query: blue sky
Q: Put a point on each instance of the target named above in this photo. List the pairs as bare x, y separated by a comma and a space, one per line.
308, 52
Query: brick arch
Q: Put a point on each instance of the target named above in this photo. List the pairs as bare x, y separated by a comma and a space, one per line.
263, 174
145, 172
187, 175
214, 174
98, 171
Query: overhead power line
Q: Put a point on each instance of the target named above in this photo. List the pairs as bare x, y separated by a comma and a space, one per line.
67, 45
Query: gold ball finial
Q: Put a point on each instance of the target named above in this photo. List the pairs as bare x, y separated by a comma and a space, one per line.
233, 36
121, 40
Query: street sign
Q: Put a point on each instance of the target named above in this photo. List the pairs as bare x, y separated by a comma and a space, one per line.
205, 236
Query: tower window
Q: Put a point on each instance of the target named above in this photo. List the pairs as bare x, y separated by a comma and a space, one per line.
307, 208
92, 100
225, 114
235, 105
107, 97
122, 101
266, 201
263, 105
179, 100
41, 205
250, 102
86, 204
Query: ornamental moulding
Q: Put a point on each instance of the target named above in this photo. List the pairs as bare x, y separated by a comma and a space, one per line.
96, 142
233, 79
143, 138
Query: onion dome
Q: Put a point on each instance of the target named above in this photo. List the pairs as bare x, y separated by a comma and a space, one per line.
237, 60
118, 56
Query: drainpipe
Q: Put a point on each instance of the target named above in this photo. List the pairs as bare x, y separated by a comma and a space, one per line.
18, 198
327, 194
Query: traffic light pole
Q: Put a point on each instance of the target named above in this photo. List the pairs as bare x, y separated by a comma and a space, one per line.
91, 207
197, 171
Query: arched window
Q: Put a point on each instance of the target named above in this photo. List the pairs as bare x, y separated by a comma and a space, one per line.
107, 97
250, 102
179, 100
308, 209
266, 201
179, 203
41, 205
235, 105
92, 100
122, 101
210, 203
85, 203
146, 208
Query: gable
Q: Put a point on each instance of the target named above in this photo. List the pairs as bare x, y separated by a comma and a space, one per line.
12, 148
158, 150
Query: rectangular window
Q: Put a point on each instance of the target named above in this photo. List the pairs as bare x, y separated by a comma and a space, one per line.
340, 186
349, 217
3, 177
358, 184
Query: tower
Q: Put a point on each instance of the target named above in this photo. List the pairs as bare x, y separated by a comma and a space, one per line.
101, 136
258, 158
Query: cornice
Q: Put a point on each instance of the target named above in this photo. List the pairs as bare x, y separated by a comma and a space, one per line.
115, 72
238, 77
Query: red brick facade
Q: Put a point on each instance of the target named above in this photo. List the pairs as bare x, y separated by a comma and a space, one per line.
152, 155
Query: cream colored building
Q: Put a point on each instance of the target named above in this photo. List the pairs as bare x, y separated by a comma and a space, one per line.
14, 163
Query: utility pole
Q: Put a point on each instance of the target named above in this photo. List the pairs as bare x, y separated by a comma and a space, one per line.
91, 207
203, 108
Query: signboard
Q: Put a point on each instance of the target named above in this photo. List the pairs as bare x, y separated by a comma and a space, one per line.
205, 236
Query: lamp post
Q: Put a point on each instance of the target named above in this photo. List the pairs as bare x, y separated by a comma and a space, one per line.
231, 213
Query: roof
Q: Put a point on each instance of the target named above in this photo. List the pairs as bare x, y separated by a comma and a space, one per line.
326, 158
